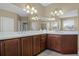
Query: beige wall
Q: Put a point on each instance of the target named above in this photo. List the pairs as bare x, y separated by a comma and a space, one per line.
12, 15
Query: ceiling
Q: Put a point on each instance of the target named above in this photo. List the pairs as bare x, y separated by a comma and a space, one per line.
16, 7
12, 8
65, 6
45, 4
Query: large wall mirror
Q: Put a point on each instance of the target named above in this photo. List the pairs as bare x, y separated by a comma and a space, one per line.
68, 24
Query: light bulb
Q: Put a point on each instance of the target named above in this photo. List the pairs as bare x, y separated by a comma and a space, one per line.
28, 11
55, 12
35, 11
61, 12
28, 7
33, 8
32, 12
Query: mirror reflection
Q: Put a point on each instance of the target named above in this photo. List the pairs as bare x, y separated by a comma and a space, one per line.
35, 17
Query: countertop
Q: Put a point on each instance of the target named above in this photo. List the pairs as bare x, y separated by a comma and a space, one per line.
8, 35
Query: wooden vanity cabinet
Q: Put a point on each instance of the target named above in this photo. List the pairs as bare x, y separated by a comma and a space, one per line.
36, 44
32, 45
43, 42
57, 42
50, 42
12, 47
26, 46
63, 43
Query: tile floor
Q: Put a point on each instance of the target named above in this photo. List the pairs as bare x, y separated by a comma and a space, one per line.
53, 53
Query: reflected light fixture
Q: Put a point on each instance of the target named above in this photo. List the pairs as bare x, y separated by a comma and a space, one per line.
57, 12
35, 18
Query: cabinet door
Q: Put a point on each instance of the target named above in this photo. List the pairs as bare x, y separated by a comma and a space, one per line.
12, 47
36, 44
26, 46
50, 42
54, 42
69, 44
1, 48
57, 42
43, 42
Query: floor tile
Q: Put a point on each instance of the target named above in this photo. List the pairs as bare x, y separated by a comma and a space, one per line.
53, 53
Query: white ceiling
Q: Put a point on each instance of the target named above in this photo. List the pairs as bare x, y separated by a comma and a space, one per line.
16, 9
45, 4
12, 8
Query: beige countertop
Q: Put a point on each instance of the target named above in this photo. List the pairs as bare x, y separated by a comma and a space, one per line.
8, 35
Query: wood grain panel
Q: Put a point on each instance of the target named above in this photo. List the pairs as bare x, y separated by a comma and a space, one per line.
36, 44
12, 47
26, 46
43, 42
